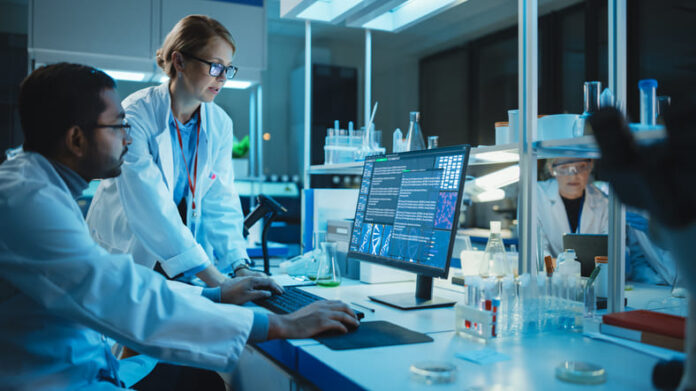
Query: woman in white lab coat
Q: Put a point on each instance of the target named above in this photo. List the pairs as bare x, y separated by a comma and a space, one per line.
175, 201
568, 203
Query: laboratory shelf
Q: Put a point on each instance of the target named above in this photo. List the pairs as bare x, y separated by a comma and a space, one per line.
493, 154
586, 146
351, 168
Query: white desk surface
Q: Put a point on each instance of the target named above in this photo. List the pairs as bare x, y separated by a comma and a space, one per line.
531, 366
532, 358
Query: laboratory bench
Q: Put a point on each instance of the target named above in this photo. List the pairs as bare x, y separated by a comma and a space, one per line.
529, 364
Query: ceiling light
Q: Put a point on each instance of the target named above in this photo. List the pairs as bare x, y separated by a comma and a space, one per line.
332, 11
125, 75
396, 15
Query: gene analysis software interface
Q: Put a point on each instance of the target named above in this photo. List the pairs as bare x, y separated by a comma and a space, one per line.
406, 207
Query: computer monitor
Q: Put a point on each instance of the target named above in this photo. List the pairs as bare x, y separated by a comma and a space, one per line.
406, 217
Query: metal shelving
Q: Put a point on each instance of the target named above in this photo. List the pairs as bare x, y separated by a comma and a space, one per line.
586, 146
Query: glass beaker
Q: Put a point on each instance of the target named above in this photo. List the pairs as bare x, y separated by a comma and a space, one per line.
328, 273
313, 264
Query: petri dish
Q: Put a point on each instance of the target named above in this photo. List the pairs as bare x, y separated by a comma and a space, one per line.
433, 372
581, 372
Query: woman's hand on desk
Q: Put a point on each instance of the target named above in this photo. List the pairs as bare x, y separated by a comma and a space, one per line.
320, 316
240, 290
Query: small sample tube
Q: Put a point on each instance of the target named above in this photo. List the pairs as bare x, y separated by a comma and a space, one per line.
648, 101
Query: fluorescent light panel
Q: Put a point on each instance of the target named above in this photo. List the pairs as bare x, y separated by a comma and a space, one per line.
498, 179
408, 13
328, 10
497, 156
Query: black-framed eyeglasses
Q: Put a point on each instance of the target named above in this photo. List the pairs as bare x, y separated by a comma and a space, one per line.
216, 69
124, 126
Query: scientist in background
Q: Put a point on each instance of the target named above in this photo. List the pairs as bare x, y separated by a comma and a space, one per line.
60, 293
175, 202
568, 203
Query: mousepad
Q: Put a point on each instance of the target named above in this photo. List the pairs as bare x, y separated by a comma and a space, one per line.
372, 334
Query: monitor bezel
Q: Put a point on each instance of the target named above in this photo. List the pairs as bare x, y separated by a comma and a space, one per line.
421, 269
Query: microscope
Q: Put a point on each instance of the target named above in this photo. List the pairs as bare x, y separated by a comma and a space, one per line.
267, 209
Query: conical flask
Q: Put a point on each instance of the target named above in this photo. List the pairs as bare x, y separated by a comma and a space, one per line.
414, 137
494, 262
328, 272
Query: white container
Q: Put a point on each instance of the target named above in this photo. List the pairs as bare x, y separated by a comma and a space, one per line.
556, 126
568, 264
602, 281
502, 133
470, 261
513, 124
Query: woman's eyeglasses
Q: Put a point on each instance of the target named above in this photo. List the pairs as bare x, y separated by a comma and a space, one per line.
569, 169
216, 69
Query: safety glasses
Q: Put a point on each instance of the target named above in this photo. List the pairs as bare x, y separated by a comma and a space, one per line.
571, 168
216, 69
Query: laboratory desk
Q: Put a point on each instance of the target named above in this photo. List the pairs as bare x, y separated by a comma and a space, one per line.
307, 364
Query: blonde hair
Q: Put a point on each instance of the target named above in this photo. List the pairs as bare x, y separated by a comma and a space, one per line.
189, 35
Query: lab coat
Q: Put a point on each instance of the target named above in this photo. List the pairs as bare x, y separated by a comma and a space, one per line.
61, 294
135, 212
553, 220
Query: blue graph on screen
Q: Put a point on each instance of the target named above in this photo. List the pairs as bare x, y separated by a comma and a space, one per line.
446, 207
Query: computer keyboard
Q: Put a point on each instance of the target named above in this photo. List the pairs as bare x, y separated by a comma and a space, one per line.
292, 300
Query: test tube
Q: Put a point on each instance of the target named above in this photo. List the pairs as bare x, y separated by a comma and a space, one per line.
648, 101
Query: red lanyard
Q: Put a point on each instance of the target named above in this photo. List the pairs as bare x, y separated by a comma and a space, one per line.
192, 184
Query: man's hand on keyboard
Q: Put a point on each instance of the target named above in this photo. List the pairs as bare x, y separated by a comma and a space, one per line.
240, 290
320, 316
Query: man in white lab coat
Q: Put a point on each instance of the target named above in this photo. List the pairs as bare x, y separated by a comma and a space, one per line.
568, 203
61, 294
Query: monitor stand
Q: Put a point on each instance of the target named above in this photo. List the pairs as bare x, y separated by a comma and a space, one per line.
422, 299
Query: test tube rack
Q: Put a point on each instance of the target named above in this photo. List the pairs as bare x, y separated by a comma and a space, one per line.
477, 322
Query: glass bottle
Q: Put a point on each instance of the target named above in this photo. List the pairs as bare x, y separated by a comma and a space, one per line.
313, 264
414, 137
328, 273
494, 263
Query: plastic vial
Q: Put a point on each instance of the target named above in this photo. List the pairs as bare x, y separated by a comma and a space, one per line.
397, 140
433, 142
648, 101
414, 137
494, 263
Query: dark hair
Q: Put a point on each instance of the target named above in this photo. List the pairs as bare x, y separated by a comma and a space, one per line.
56, 97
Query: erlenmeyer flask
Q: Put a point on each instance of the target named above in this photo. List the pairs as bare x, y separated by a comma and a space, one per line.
414, 137
494, 262
328, 273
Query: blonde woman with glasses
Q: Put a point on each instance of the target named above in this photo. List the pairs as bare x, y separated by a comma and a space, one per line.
569, 203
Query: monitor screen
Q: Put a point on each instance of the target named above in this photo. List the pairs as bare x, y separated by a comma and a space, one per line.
407, 210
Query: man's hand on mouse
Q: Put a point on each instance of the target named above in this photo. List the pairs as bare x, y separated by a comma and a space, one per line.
316, 318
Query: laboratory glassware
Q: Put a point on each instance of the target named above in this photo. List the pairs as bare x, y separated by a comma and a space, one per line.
313, 263
494, 263
648, 101
433, 142
414, 137
328, 272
